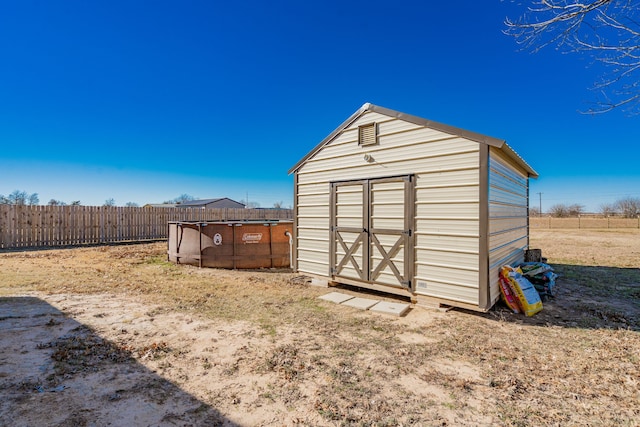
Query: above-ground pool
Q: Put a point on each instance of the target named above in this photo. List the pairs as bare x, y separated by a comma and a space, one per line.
231, 244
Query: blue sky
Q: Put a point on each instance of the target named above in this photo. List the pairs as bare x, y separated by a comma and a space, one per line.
142, 101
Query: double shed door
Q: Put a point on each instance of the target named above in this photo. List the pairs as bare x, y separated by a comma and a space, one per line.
372, 230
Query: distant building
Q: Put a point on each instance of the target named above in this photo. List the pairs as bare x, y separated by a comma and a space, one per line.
221, 203
160, 205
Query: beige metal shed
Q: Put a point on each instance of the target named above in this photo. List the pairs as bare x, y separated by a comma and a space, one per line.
398, 203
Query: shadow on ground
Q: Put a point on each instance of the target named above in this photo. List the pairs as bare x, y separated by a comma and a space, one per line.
590, 297
55, 371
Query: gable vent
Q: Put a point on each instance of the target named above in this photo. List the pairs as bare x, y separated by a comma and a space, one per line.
368, 134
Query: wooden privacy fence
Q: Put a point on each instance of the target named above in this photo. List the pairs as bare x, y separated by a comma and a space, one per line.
584, 222
38, 226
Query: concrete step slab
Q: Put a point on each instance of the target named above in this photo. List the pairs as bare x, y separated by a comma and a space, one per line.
394, 308
336, 297
361, 303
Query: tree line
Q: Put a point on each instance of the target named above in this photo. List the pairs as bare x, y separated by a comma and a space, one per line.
22, 198
19, 198
628, 207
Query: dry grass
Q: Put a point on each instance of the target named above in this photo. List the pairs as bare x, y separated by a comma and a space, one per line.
576, 363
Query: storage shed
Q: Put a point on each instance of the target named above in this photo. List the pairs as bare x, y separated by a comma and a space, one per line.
406, 205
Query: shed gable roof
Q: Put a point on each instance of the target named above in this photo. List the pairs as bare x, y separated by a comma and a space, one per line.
452, 130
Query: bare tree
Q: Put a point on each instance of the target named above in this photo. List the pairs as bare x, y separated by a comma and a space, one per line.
534, 211
20, 198
559, 211
609, 30
109, 202
131, 205
180, 199
278, 205
608, 209
250, 205
629, 207
575, 209
183, 198
75, 203
54, 202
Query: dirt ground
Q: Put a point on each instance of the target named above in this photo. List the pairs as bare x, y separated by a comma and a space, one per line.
116, 336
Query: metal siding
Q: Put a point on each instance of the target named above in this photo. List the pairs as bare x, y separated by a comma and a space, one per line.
446, 258
457, 210
458, 282
313, 211
508, 215
313, 200
386, 211
439, 143
453, 291
388, 150
315, 254
450, 178
505, 254
310, 268
312, 189
454, 274
501, 166
388, 223
447, 214
369, 117
349, 211
508, 211
451, 226
396, 126
386, 276
499, 239
308, 233
312, 237
448, 194
356, 167
342, 144
447, 243
497, 225
499, 195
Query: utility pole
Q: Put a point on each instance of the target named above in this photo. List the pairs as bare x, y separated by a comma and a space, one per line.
540, 211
